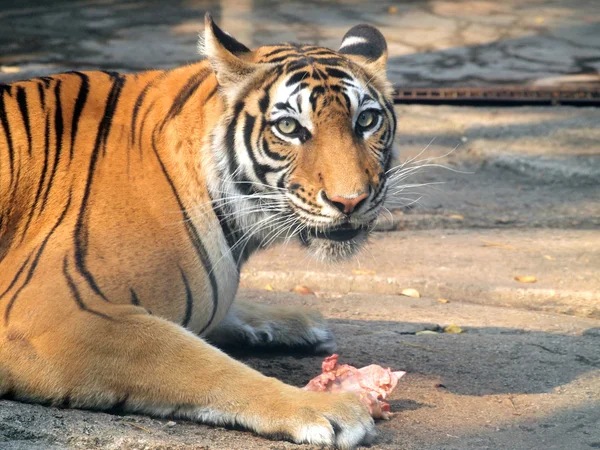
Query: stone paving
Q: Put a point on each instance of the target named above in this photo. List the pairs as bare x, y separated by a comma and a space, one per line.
431, 43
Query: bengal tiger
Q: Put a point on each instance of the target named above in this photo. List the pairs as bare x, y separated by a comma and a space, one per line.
129, 202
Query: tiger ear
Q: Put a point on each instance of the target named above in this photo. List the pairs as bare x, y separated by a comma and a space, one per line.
366, 45
228, 57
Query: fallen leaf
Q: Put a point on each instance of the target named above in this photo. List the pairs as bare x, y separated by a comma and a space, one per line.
392, 10
443, 300
268, 287
418, 333
138, 426
548, 257
526, 279
10, 69
303, 290
497, 244
456, 216
325, 294
410, 292
363, 272
539, 20
453, 329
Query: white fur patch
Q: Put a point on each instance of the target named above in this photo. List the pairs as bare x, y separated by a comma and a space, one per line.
353, 40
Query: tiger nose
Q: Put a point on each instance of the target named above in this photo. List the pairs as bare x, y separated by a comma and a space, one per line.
347, 204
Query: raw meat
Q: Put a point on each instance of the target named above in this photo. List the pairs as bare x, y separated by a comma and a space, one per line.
373, 383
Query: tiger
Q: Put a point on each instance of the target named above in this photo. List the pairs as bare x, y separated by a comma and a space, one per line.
130, 202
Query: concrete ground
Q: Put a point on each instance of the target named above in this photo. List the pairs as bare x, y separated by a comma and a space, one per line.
521, 198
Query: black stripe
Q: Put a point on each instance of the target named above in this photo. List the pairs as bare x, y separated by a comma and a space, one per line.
230, 138
22, 102
284, 106
7, 134
80, 233
136, 110
259, 169
77, 295
298, 64
42, 93
263, 103
36, 259
84, 90
328, 61
58, 128
211, 94
297, 78
314, 95
277, 51
282, 58
194, 237
46, 81
336, 73
42, 178
119, 406
143, 124
228, 232
189, 299
184, 95
267, 151
134, 298
17, 276
348, 101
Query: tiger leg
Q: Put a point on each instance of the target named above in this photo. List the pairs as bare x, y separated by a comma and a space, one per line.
141, 363
259, 325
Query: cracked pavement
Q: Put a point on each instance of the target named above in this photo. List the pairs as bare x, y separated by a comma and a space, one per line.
431, 43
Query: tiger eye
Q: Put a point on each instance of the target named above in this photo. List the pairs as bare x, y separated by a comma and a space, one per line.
287, 125
366, 119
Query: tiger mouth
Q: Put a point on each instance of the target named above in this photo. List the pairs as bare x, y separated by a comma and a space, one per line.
341, 233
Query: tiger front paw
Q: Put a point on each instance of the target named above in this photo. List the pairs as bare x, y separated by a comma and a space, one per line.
333, 420
275, 326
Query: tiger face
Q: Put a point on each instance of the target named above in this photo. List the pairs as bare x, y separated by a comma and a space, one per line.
307, 139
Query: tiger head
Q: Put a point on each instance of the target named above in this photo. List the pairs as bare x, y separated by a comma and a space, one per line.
306, 141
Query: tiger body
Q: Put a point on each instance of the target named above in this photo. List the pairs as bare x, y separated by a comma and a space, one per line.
129, 202
110, 212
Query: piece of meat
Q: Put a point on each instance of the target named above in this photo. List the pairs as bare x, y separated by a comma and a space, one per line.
373, 383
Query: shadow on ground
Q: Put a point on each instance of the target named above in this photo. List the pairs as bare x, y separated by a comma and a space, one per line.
481, 361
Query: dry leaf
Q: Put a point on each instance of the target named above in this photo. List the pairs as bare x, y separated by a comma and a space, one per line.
453, 329
303, 290
418, 333
392, 10
548, 257
526, 279
410, 292
443, 300
268, 287
325, 294
10, 69
456, 216
363, 272
497, 244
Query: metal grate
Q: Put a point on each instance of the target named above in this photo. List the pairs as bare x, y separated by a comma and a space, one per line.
500, 96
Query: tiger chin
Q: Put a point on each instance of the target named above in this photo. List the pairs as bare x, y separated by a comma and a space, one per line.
130, 202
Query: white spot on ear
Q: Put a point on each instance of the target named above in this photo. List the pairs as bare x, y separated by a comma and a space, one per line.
353, 40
